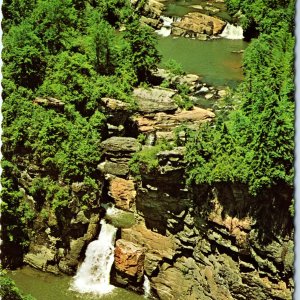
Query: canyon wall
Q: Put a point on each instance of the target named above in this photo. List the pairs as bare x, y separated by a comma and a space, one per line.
196, 242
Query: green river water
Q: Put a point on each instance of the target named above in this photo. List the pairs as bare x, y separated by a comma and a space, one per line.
45, 286
214, 60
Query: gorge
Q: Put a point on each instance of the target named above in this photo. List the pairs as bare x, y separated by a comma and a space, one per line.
124, 181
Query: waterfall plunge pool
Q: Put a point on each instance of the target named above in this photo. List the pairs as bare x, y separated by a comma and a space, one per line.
46, 286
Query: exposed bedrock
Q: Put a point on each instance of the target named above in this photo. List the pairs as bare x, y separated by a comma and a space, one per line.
211, 242
198, 242
196, 24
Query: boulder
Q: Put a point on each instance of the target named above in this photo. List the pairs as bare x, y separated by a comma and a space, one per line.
211, 9
39, 257
160, 245
129, 259
155, 23
196, 23
50, 103
119, 168
151, 262
166, 123
155, 100
120, 146
123, 192
76, 247
153, 8
80, 218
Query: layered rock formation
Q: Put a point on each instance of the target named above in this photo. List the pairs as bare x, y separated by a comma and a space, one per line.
202, 242
209, 243
196, 24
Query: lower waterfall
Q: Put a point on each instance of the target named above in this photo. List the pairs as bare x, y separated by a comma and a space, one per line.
93, 276
147, 287
232, 32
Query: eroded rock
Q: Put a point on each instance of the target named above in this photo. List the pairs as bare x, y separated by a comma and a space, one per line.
123, 192
120, 145
129, 259
195, 23
155, 243
155, 100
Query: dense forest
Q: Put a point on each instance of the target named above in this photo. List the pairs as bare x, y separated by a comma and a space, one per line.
254, 143
74, 51
77, 52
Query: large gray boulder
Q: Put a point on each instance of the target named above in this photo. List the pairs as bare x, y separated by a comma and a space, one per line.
155, 100
120, 145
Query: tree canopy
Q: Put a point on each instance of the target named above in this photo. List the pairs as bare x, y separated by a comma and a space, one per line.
76, 52
255, 144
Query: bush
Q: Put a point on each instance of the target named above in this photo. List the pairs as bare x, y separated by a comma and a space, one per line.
147, 158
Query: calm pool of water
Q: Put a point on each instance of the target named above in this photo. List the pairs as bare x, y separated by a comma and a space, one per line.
45, 286
214, 60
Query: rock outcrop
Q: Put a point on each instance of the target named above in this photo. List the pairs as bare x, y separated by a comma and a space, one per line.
208, 243
163, 124
196, 24
200, 242
155, 100
123, 192
117, 153
50, 102
129, 260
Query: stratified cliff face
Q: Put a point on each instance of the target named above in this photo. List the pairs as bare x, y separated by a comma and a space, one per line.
209, 242
201, 242
197, 242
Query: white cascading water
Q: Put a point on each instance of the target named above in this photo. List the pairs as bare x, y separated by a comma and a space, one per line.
232, 32
93, 276
147, 287
167, 26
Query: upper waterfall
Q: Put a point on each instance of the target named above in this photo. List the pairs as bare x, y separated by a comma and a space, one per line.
167, 26
93, 276
232, 32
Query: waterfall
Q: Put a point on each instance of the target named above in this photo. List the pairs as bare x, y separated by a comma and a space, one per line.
111, 210
94, 273
147, 287
166, 28
232, 32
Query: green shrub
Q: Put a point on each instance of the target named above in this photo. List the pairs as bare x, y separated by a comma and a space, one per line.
147, 157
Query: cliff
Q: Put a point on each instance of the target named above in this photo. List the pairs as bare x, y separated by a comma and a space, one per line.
196, 242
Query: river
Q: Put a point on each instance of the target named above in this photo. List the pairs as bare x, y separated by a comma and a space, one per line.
214, 60
46, 286
182, 7
217, 61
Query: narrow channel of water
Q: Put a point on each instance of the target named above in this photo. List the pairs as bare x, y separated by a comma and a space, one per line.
216, 61
45, 286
